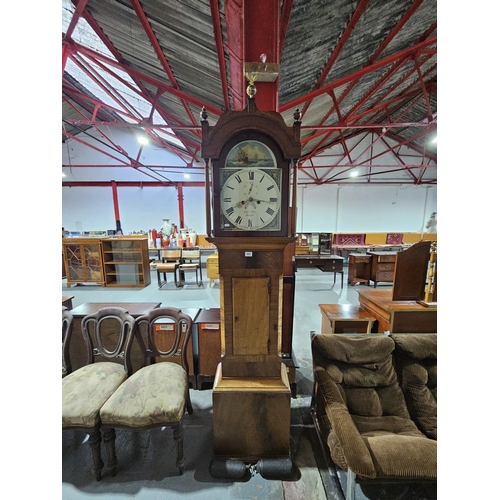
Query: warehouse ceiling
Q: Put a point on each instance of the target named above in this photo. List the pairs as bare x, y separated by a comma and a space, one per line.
363, 75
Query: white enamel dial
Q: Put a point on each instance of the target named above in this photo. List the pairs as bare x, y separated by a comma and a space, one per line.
251, 199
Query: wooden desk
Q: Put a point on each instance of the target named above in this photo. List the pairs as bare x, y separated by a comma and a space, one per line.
324, 262
67, 301
402, 316
78, 350
345, 318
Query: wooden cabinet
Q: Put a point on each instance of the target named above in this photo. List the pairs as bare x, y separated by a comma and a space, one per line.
382, 266
83, 260
209, 344
213, 268
359, 268
126, 262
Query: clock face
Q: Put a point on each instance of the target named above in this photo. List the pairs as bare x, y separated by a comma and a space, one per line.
250, 199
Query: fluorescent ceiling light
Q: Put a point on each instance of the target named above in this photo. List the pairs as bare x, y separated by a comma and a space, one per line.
354, 173
143, 140
186, 176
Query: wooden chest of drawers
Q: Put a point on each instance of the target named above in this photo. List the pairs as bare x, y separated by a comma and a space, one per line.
382, 267
359, 268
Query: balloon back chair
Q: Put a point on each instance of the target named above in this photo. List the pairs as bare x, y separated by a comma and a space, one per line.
67, 330
85, 390
156, 395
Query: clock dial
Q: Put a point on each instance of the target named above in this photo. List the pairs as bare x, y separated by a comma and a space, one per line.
250, 199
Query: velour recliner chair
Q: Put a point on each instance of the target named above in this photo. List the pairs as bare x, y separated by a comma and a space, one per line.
415, 358
361, 410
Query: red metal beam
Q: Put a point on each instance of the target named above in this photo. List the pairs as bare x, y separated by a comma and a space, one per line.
214, 10
79, 9
235, 44
357, 74
131, 184
139, 77
338, 48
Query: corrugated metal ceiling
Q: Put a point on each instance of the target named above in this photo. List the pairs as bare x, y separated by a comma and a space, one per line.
355, 69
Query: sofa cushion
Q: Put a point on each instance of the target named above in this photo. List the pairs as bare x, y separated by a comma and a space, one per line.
153, 395
416, 361
85, 390
363, 368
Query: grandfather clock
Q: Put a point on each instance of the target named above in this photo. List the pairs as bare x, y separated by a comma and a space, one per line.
250, 159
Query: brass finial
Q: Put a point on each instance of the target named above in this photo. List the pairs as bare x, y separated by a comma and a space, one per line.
251, 89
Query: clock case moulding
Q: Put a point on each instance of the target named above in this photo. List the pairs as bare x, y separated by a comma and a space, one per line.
234, 127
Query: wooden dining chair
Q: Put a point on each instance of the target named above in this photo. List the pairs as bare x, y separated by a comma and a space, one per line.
170, 260
157, 395
86, 389
67, 331
190, 261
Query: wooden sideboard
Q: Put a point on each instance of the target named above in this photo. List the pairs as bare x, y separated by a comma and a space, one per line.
400, 316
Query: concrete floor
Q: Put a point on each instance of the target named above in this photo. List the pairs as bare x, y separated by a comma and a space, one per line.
146, 460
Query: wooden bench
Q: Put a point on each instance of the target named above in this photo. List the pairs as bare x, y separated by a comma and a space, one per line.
345, 318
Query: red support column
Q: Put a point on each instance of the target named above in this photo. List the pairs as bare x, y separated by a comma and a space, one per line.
115, 200
262, 36
180, 197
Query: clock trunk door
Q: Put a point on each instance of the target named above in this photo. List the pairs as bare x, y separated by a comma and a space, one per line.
251, 316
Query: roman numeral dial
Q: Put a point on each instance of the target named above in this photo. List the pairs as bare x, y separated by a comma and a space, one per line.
250, 199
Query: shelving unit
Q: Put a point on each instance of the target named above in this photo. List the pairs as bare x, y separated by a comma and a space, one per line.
126, 262
83, 261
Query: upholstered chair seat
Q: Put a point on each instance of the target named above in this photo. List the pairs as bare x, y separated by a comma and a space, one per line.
154, 395
86, 390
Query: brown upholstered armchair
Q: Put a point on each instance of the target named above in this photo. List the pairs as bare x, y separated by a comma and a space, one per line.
416, 363
157, 395
361, 412
86, 389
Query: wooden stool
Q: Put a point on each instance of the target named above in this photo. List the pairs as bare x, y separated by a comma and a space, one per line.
345, 318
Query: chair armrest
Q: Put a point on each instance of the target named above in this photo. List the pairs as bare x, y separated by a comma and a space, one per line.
353, 447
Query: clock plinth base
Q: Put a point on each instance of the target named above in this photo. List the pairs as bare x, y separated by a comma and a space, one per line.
251, 417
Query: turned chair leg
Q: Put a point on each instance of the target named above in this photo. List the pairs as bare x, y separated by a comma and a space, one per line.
109, 437
95, 446
179, 442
